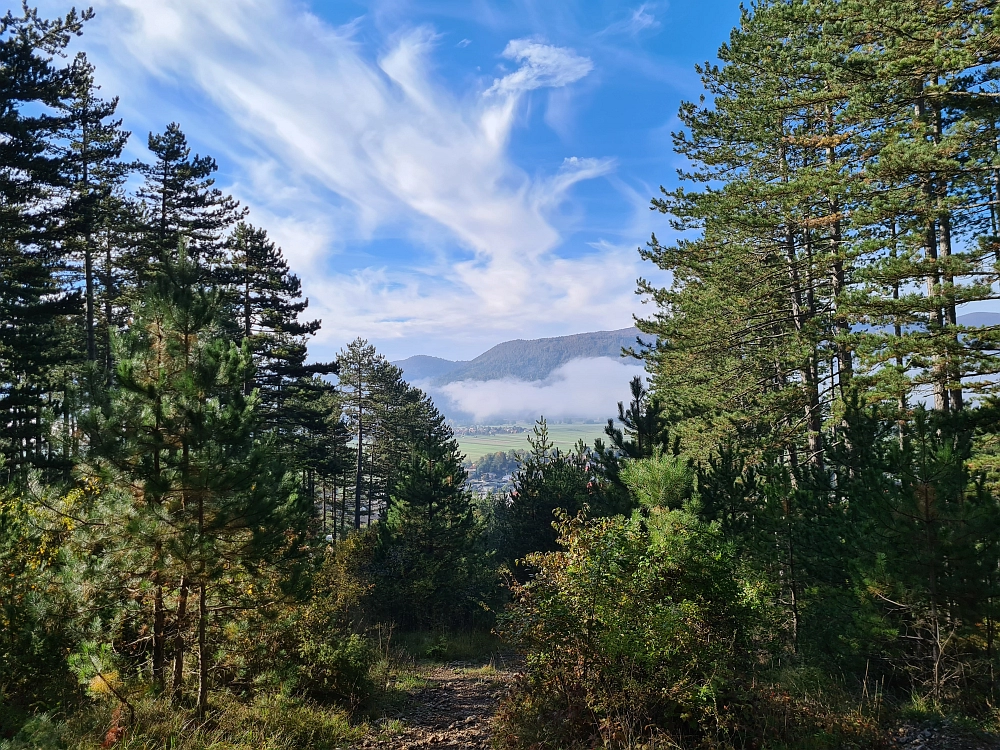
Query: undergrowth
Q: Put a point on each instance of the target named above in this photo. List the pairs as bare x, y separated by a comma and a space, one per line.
270, 722
473, 646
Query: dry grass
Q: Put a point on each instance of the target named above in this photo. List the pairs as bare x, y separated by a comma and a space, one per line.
271, 722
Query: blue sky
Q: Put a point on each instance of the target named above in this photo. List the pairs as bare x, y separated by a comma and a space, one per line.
442, 175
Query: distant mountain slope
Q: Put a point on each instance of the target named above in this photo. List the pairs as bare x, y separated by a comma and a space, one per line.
423, 367
536, 359
980, 319
520, 359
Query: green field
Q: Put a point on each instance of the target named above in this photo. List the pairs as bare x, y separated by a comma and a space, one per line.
563, 436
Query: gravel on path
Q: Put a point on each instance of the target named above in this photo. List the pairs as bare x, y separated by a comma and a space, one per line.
943, 736
454, 709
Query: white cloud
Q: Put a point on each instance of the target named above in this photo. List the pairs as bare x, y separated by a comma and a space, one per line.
336, 146
641, 20
638, 20
580, 389
542, 66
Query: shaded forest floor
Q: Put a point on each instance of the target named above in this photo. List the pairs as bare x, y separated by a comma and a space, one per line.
441, 705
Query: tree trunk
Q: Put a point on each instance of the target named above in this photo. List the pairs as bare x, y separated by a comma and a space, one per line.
179, 640
108, 307
159, 619
202, 650
948, 287
837, 276
88, 250
202, 614
933, 277
88, 267
247, 315
359, 476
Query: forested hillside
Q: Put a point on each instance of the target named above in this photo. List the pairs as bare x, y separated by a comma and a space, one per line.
423, 367
790, 537
535, 359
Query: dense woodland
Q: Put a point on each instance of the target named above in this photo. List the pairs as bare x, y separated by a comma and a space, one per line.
791, 539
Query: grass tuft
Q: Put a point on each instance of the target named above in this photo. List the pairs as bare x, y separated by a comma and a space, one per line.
271, 722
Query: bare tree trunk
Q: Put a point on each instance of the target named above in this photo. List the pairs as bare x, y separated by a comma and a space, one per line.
322, 489
182, 598
808, 372
108, 306
88, 249
159, 619
88, 270
202, 650
202, 614
933, 277
359, 477
845, 359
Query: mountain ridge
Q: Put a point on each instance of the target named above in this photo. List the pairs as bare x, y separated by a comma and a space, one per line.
520, 359
534, 360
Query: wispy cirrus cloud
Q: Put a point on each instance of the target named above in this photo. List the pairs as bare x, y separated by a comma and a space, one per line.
344, 143
639, 19
541, 66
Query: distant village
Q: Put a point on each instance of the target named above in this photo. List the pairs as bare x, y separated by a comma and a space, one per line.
489, 483
492, 473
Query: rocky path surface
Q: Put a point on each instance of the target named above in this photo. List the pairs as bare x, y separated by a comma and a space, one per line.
944, 736
454, 708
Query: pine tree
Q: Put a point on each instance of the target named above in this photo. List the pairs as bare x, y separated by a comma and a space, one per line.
314, 440
94, 172
642, 430
374, 399
547, 481
267, 303
182, 202
429, 535
119, 232
843, 212
35, 305
934, 580
180, 433
752, 335
929, 147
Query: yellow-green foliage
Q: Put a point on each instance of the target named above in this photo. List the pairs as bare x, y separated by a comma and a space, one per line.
659, 481
271, 722
35, 523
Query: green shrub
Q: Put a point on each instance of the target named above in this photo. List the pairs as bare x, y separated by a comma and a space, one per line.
651, 629
38, 733
639, 622
337, 670
317, 645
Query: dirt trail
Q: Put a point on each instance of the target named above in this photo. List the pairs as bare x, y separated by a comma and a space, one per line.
453, 709
943, 736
